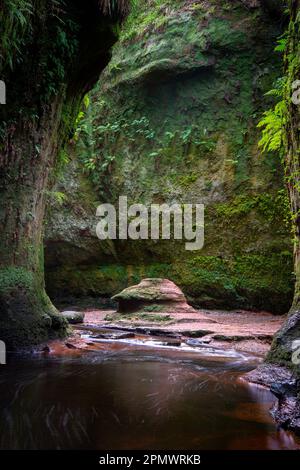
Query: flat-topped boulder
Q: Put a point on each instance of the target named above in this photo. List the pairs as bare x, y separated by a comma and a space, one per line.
152, 295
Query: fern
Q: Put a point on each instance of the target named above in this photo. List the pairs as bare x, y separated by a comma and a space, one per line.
281, 44
273, 122
274, 119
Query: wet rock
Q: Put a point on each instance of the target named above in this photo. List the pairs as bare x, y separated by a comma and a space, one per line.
196, 343
101, 336
157, 332
145, 331
126, 335
286, 412
73, 317
173, 343
114, 335
70, 346
196, 333
268, 374
232, 338
285, 389
242, 337
153, 295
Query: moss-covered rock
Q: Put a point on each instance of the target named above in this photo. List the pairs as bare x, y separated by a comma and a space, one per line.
51, 54
150, 295
174, 120
27, 316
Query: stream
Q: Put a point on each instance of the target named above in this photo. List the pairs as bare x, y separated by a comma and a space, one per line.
136, 394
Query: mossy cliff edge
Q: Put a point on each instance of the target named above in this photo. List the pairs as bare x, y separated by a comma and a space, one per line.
174, 120
51, 53
284, 342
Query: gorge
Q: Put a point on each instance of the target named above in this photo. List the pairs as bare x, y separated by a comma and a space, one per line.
173, 119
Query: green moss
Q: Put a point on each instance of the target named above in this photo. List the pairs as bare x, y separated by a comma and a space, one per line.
139, 316
12, 278
252, 281
153, 318
153, 308
27, 315
279, 355
249, 281
187, 180
174, 119
273, 207
223, 37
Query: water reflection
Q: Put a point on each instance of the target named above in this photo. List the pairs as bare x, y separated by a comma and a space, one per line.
134, 399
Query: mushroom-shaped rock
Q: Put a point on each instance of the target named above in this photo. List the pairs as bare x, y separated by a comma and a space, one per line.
153, 295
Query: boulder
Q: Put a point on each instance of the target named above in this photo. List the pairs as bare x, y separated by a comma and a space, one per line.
73, 317
153, 295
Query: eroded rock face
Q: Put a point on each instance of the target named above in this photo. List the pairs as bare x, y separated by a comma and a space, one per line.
160, 295
286, 412
284, 384
177, 111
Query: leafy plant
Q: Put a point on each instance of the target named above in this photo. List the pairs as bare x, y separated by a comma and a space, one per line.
14, 23
57, 197
273, 123
274, 119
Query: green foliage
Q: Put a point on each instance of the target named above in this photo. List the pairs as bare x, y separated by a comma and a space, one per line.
162, 128
62, 49
60, 44
15, 18
282, 43
150, 17
56, 197
273, 123
274, 120
100, 130
62, 160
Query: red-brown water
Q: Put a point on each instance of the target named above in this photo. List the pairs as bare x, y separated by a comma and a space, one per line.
135, 398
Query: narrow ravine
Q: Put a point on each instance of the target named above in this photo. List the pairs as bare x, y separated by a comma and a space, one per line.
150, 226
